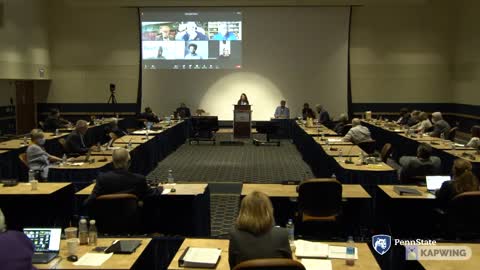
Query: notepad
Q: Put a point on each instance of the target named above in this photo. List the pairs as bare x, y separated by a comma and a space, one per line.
317, 264
200, 257
93, 259
307, 249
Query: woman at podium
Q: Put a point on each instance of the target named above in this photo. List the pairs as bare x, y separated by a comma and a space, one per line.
243, 100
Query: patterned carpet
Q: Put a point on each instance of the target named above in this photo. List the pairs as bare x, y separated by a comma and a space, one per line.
236, 164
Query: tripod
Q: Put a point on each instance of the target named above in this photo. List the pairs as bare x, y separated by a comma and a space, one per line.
112, 99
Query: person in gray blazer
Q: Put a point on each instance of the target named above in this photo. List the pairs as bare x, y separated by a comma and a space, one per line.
37, 158
440, 126
421, 165
254, 235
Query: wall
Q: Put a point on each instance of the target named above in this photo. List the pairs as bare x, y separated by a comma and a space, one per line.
24, 40
92, 47
466, 64
402, 54
298, 54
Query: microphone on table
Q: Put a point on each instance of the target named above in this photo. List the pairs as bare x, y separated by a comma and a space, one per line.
348, 158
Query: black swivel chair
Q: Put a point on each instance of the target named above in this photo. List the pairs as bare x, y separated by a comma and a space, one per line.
460, 219
368, 146
117, 214
319, 203
270, 264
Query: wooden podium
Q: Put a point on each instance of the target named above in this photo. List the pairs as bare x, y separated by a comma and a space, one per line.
242, 121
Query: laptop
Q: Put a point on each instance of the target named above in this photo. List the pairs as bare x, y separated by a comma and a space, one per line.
434, 182
46, 242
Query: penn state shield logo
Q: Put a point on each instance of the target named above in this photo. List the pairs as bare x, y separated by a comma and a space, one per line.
381, 243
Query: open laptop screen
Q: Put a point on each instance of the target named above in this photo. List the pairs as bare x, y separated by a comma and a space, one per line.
435, 182
44, 239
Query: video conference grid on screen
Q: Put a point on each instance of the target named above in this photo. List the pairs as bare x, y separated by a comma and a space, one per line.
191, 40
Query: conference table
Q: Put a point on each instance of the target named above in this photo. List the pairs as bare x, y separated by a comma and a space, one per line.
323, 156
407, 215
38, 208
116, 262
356, 203
406, 145
145, 154
471, 264
366, 260
187, 209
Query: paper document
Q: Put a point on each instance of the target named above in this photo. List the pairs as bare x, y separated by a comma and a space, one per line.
93, 259
335, 140
338, 252
145, 132
317, 264
166, 191
202, 255
310, 249
77, 164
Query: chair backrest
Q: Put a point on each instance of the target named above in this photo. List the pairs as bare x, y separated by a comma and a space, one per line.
116, 213
452, 133
386, 152
462, 215
23, 159
270, 264
346, 129
320, 197
63, 143
368, 146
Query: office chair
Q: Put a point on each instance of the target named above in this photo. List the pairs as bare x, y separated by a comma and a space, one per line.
368, 146
116, 214
386, 152
460, 220
23, 175
270, 264
452, 134
419, 175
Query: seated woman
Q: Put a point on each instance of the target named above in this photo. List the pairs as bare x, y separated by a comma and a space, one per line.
37, 158
424, 123
463, 180
254, 236
16, 250
475, 140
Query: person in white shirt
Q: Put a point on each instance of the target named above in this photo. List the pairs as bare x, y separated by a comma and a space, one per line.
358, 133
424, 123
475, 140
282, 112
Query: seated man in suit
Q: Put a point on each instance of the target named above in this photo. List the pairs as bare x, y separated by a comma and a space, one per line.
440, 126
358, 133
54, 121
323, 116
120, 180
183, 111
149, 115
404, 117
421, 165
75, 141
341, 123
113, 130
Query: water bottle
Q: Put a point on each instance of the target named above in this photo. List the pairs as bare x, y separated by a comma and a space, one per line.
442, 136
25, 140
64, 159
334, 175
92, 234
57, 132
350, 254
340, 153
83, 231
170, 178
31, 175
291, 232
146, 134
